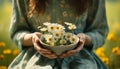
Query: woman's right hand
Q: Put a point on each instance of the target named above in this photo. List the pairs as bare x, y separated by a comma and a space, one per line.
45, 52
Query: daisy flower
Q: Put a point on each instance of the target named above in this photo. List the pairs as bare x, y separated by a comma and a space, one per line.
39, 27
63, 41
68, 35
67, 23
46, 23
57, 34
59, 27
73, 39
49, 38
43, 29
72, 27
62, 33
51, 28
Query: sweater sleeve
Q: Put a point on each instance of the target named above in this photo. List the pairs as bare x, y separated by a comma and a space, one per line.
18, 27
97, 26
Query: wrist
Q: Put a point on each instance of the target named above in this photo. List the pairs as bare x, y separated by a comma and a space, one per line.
27, 41
88, 40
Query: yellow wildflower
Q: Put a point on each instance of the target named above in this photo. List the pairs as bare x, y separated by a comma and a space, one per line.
101, 49
100, 52
111, 36
105, 60
16, 52
7, 51
116, 50
2, 44
3, 67
1, 57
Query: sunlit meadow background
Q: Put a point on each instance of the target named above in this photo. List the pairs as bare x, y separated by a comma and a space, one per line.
109, 53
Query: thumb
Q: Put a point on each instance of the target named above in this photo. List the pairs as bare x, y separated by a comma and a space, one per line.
38, 34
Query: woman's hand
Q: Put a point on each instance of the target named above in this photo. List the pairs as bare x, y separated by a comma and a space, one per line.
45, 52
79, 47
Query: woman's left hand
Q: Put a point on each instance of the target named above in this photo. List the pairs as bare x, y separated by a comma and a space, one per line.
76, 50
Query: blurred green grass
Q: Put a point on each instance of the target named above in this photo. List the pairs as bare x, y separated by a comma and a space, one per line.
113, 13
113, 16
5, 16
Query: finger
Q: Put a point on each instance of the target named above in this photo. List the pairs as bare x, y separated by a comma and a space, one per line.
63, 56
80, 46
46, 53
66, 54
38, 34
42, 50
80, 42
81, 36
35, 38
39, 48
37, 45
51, 56
72, 52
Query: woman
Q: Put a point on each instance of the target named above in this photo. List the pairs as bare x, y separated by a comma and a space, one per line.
88, 15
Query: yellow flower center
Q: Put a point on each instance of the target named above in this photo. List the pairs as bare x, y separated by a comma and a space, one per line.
57, 34
68, 36
50, 39
73, 39
52, 28
58, 28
